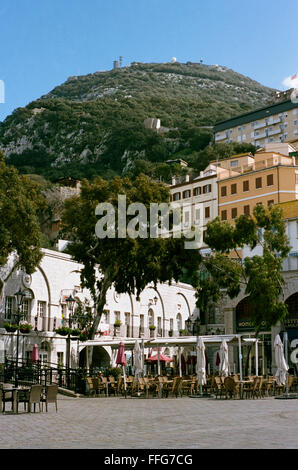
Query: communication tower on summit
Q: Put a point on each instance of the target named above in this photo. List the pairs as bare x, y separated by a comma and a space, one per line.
120, 61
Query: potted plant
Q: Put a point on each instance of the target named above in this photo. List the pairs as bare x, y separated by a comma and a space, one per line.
85, 335
25, 328
75, 332
152, 328
117, 323
10, 327
171, 332
62, 330
183, 332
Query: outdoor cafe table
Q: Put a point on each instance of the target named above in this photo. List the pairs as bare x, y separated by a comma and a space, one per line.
14, 391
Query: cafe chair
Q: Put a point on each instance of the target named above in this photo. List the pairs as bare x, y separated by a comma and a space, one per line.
51, 392
29, 397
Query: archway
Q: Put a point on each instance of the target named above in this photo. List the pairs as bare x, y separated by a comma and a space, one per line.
244, 324
100, 358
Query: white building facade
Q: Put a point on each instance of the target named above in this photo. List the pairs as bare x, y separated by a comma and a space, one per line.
45, 307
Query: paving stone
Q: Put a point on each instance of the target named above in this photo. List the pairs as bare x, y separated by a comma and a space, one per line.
182, 423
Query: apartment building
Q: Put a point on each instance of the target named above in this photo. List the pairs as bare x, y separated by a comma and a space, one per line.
267, 178
271, 124
197, 199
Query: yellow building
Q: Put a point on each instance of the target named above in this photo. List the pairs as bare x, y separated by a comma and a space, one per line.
266, 178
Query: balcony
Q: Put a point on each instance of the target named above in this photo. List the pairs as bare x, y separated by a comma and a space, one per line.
274, 132
259, 126
220, 137
260, 136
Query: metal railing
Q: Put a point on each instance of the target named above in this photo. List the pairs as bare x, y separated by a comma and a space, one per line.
29, 373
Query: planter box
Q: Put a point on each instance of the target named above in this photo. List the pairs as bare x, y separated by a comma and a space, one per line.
10, 329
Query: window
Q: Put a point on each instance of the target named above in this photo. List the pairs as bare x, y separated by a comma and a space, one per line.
197, 191
246, 210
159, 329
258, 183
26, 309
269, 180
223, 191
176, 196
63, 312
224, 215
270, 203
198, 214
186, 194
204, 235
207, 212
106, 316
186, 218
41, 309
142, 323
234, 163
246, 185
234, 188
9, 307
234, 213
207, 188
117, 316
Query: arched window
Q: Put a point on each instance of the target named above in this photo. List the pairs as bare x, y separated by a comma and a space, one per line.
150, 317
179, 321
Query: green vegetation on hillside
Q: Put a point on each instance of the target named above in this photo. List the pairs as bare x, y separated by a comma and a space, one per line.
93, 125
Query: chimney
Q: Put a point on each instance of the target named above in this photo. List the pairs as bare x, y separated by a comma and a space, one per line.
294, 161
173, 181
187, 179
201, 174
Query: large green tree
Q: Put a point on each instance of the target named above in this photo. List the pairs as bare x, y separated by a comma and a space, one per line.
20, 204
129, 264
227, 272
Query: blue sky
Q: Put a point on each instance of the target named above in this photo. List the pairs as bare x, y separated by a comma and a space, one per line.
44, 42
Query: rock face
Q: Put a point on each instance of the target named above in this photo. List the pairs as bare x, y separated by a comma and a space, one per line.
92, 120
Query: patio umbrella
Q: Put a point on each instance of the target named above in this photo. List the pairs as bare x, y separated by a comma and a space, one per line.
217, 359
121, 361
224, 359
282, 366
34, 354
162, 357
137, 356
201, 363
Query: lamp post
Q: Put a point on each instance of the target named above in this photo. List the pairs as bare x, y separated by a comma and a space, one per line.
19, 314
193, 326
70, 303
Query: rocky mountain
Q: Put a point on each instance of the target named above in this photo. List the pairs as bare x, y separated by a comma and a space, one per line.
94, 124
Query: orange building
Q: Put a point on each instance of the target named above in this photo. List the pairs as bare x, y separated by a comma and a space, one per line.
266, 178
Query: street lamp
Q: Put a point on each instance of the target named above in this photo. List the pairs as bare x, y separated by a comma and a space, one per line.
19, 314
70, 303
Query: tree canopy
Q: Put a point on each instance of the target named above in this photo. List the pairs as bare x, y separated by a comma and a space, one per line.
259, 275
130, 264
20, 204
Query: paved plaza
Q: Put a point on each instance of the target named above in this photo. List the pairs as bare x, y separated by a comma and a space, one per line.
136, 423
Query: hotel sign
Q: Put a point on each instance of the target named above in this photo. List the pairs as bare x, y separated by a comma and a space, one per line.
246, 325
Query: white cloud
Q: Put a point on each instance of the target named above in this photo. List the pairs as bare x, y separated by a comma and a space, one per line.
291, 82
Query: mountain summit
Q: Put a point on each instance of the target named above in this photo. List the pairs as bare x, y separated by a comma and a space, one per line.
94, 124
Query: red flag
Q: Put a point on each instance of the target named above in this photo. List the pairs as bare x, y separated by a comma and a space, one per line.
294, 76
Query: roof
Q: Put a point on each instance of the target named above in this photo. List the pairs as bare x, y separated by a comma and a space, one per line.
290, 209
238, 155
163, 342
255, 115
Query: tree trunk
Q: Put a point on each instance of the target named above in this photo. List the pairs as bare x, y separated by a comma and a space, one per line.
99, 301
